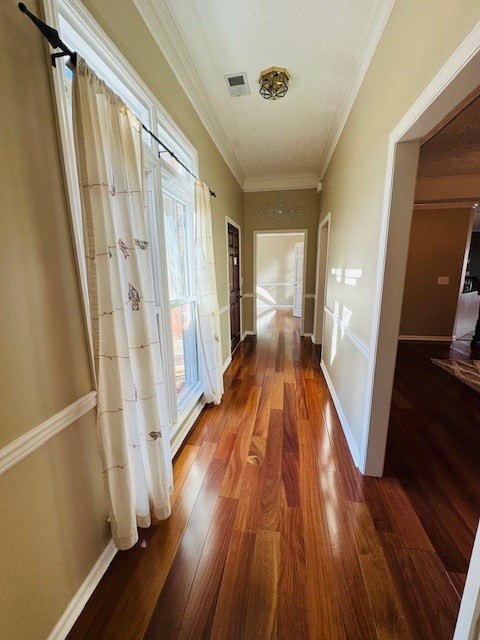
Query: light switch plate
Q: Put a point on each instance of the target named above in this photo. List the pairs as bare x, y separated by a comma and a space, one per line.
443, 279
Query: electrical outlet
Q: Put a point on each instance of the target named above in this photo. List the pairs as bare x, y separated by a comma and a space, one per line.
443, 279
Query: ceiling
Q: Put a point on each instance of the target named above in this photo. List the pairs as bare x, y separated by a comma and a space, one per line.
455, 149
326, 45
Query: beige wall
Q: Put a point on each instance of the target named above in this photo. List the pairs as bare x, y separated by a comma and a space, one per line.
418, 39
307, 200
437, 248
276, 269
447, 188
53, 519
53, 524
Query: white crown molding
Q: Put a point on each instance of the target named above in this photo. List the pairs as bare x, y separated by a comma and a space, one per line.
281, 182
162, 26
30, 441
352, 91
80, 599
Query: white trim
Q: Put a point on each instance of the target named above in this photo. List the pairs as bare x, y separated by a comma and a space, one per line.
182, 428
468, 621
224, 309
426, 338
163, 28
274, 306
321, 296
226, 364
80, 599
350, 95
309, 295
307, 335
282, 182
279, 233
248, 333
248, 295
342, 417
30, 441
361, 346
276, 284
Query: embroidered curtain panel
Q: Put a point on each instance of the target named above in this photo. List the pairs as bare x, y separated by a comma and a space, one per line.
207, 302
132, 418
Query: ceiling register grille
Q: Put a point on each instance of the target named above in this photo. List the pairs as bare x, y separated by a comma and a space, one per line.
237, 84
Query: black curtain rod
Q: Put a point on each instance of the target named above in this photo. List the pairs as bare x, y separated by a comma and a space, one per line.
55, 41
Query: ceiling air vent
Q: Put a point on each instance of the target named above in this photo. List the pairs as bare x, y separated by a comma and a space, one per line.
237, 84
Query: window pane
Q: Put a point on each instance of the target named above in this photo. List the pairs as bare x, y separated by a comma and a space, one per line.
184, 348
177, 248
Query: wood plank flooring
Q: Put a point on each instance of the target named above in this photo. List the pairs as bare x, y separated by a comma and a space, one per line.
274, 534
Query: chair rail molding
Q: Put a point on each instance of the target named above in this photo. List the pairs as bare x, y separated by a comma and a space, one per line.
30, 441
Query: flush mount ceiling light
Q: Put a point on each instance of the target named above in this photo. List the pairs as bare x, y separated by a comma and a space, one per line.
273, 83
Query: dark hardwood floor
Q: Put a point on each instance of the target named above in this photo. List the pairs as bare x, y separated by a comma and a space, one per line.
274, 534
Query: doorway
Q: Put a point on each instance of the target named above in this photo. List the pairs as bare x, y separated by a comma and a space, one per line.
234, 290
279, 273
452, 86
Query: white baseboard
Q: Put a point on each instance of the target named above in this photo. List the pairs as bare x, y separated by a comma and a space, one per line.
427, 338
342, 417
308, 335
226, 364
248, 333
79, 600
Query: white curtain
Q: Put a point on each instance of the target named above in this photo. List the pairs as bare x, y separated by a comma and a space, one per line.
208, 315
132, 418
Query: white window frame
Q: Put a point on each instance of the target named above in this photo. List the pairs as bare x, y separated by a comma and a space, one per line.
107, 61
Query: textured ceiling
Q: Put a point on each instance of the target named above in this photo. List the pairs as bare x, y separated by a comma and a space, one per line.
455, 149
326, 46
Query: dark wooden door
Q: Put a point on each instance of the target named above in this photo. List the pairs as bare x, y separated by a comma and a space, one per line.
234, 285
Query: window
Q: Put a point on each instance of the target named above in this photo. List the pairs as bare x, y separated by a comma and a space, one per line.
170, 197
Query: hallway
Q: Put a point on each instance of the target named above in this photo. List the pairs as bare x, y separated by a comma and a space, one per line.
275, 534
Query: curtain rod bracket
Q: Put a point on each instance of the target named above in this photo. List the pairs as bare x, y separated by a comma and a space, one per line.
73, 57
51, 35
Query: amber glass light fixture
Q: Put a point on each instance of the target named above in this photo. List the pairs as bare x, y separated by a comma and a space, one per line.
273, 83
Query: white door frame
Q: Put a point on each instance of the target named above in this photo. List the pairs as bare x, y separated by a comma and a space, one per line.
298, 280
321, 279
258, 232
457, 79
227, 308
